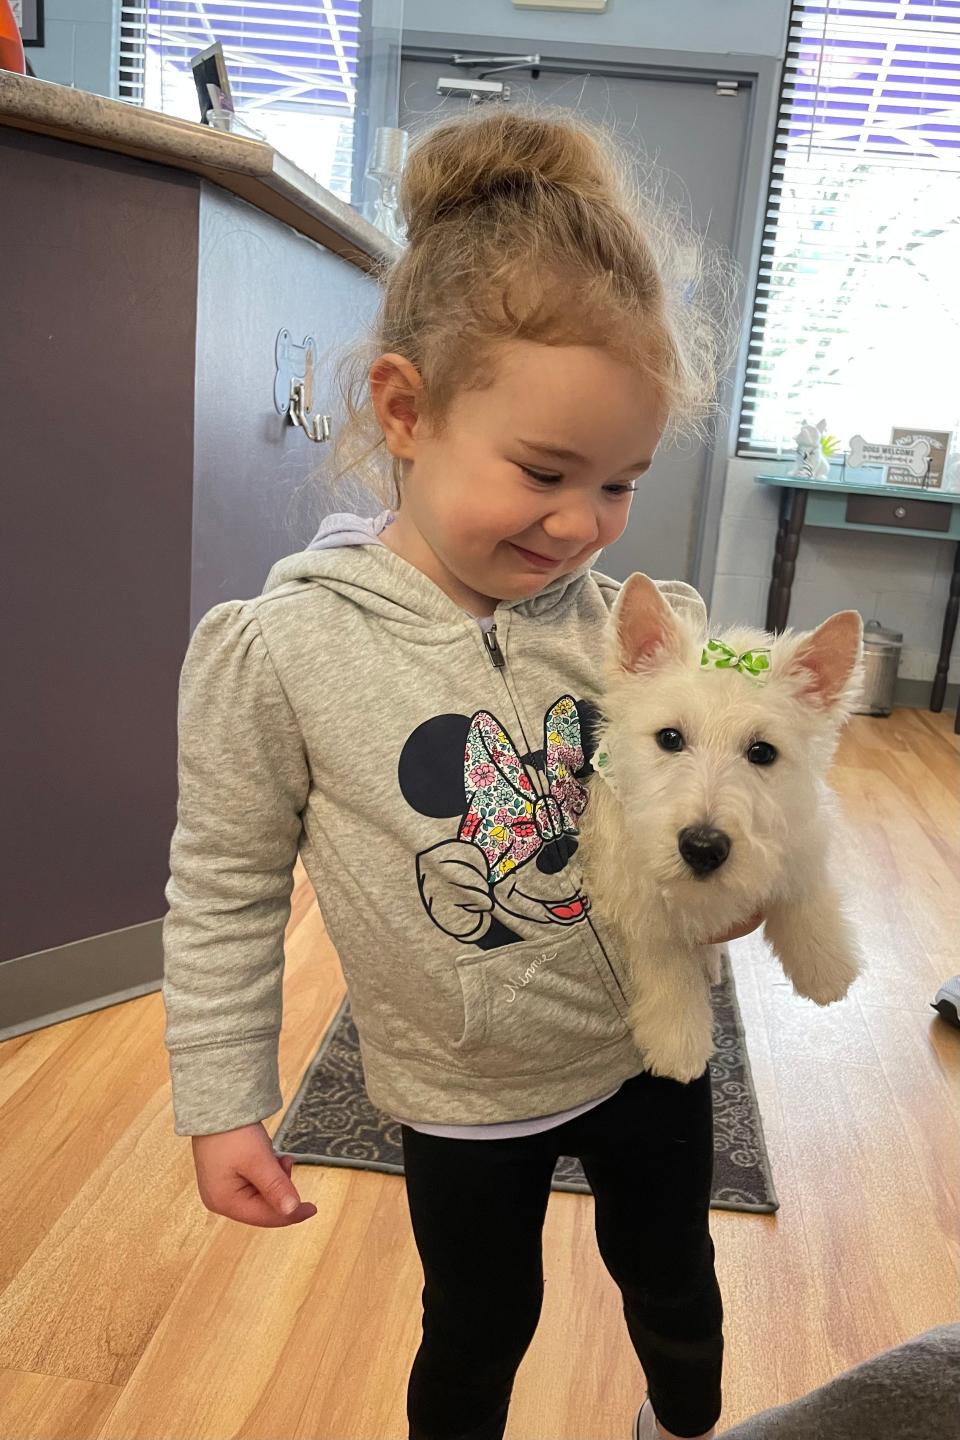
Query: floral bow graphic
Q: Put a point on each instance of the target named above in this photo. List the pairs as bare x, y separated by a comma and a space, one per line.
505, 816
721, 657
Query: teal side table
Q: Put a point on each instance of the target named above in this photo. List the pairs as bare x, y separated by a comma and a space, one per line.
860, 500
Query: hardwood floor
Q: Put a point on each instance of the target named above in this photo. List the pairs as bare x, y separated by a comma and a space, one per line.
127, 1310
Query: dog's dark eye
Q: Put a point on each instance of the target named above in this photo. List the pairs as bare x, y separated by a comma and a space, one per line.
670, 739
761, 753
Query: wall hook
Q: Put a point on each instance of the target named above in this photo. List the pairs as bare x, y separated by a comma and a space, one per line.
316, 426
293, 385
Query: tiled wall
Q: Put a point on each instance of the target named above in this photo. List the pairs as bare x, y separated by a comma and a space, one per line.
752, 27
79, 46
900, 580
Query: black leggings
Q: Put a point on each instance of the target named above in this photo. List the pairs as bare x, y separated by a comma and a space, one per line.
478, 1207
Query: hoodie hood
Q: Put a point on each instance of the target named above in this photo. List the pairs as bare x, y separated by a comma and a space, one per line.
348, 554
348, 529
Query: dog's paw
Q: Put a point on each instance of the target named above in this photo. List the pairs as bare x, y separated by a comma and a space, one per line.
680, 1055
827, 983
823, 992
676, 1070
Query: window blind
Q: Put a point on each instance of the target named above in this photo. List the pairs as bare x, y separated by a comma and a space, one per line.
292, 68
856, 311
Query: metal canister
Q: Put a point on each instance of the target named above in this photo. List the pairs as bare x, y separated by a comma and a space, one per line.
881, 661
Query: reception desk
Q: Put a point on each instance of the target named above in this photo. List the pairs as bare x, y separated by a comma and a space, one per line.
149, 268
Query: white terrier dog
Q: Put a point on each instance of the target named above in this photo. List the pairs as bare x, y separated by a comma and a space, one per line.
709, 805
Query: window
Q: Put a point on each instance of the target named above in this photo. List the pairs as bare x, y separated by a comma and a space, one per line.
856, 315
292, 68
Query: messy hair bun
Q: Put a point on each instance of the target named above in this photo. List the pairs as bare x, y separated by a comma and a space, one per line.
499, 159
525, 222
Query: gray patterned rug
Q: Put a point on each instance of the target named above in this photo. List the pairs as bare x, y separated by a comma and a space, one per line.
332, 1122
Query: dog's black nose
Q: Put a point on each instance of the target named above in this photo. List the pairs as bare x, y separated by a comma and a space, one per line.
704, 850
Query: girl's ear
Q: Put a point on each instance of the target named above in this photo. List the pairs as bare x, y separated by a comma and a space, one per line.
394, 388
644, 625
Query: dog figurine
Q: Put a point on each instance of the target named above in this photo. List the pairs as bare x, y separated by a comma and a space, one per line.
709, 805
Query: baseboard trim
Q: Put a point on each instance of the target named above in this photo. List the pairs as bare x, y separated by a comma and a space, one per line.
50, 986
915, 695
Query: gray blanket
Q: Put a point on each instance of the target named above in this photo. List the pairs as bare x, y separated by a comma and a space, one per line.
911, 1392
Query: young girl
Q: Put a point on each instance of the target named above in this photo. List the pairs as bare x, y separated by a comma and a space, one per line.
408, 706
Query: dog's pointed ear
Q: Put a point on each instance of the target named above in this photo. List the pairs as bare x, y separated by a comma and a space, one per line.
645, 627
829, 661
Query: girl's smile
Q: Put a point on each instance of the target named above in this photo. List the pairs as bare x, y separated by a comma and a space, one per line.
539, 562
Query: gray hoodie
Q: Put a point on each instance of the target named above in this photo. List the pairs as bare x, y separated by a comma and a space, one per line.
430, 776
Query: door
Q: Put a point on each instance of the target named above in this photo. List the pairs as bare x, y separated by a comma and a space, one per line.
698, 137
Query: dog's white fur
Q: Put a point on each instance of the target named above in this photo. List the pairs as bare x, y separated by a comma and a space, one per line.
783, 821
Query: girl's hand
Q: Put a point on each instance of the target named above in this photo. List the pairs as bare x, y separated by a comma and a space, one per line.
753, 923
239, 1176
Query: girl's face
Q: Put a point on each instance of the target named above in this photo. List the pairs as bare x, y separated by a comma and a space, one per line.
527, 478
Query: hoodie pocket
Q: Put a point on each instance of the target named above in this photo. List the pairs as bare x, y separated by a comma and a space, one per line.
533, 1007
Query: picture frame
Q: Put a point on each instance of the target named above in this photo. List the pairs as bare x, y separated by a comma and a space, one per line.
939, 448
29, 17
212, 81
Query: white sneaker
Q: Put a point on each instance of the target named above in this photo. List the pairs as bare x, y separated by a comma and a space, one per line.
645, 1424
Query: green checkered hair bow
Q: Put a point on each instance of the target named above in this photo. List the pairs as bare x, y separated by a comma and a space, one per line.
721, 657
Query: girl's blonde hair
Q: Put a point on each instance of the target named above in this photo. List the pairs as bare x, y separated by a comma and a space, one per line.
525, 222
